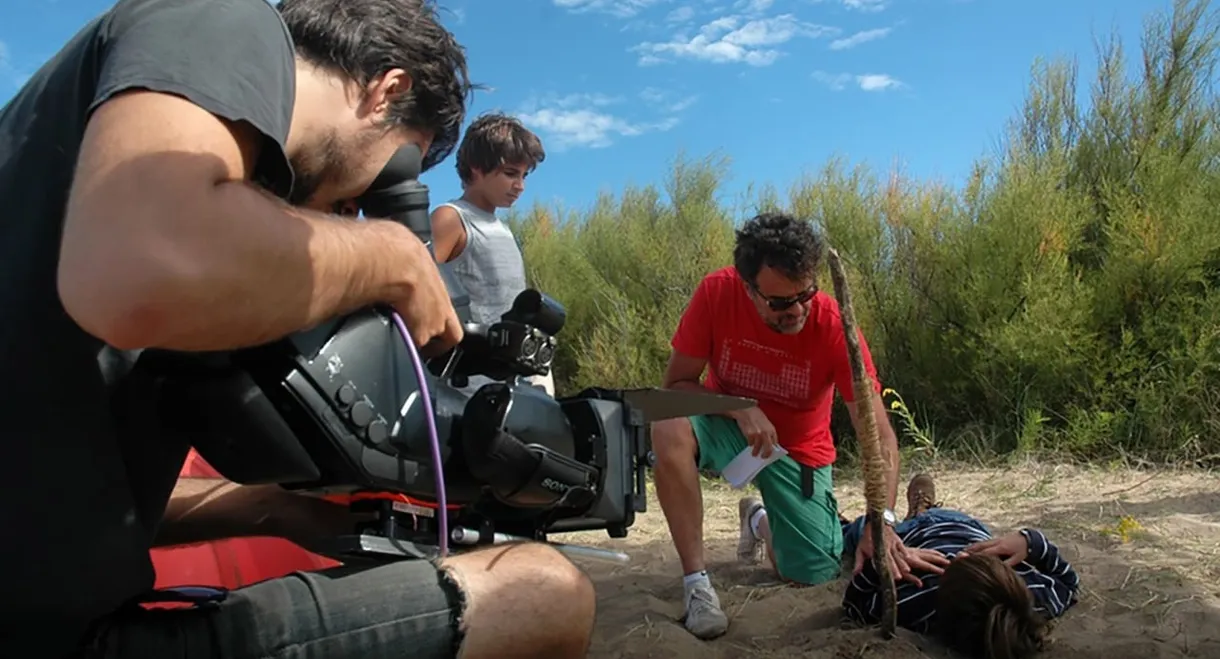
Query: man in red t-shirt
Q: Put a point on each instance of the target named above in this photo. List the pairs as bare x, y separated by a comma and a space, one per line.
762, 330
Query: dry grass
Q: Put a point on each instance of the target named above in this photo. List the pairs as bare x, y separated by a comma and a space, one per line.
1146, 544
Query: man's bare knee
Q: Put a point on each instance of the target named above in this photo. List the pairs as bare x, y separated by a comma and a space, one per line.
522, 600
673, 441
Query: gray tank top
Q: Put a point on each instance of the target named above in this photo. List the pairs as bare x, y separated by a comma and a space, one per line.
492, 271
490, 267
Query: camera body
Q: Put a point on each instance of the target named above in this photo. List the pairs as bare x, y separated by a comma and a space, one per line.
339, 410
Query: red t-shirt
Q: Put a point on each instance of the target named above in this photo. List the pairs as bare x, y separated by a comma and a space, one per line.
792, 376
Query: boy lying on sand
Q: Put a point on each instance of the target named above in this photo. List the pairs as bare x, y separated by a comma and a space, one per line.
996, 595
994, 598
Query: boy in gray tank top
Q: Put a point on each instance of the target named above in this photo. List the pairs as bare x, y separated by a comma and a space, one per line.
496, 155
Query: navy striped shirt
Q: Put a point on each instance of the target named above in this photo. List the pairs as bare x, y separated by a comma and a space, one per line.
1051, 579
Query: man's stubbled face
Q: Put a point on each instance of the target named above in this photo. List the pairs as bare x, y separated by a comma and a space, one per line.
771, 289
337, 167
320, 170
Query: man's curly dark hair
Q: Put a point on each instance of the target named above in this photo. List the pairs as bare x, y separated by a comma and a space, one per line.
779, 241
364, 39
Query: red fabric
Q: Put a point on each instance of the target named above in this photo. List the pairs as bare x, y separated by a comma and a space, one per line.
231, 563
792, 376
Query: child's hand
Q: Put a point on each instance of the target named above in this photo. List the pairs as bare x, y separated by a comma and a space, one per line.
1012, 548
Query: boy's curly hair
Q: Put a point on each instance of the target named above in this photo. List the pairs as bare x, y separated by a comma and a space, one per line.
494, 139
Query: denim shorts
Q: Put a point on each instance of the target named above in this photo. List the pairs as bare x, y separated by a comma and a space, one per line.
405, 608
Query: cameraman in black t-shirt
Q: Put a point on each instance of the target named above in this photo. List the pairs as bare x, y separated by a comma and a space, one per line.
156, 177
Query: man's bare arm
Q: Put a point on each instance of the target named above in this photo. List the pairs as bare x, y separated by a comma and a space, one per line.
685, 373
889, 445
448, 234
206, 509
163, 229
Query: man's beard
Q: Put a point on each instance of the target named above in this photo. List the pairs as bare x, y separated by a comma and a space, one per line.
796, 322
325, 162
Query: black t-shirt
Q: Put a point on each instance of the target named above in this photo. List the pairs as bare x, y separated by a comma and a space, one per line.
86, 471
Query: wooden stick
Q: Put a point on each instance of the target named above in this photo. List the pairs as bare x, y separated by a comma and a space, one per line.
870, 447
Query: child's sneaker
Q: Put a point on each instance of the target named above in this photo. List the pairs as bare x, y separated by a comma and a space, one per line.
749, 548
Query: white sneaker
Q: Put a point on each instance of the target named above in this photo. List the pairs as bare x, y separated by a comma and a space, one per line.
703, 617
749, 548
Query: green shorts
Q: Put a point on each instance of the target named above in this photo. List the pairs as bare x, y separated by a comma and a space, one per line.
806, 536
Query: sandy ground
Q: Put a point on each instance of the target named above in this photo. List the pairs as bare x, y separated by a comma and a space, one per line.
1151, 594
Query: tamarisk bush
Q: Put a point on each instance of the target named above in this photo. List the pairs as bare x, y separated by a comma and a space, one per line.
1066, 298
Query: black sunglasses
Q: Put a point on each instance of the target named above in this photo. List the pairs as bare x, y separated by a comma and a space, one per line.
784, 303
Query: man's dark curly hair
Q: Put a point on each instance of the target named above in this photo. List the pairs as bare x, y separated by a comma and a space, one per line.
494, 139
363, 39
779, 241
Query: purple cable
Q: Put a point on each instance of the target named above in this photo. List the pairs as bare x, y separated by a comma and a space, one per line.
442, 510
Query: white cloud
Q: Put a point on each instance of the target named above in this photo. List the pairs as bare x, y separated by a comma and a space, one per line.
869, 82
733, 39
858, 38
576, 100
587, 128
618, 8
585, 120
865, 5
877, 82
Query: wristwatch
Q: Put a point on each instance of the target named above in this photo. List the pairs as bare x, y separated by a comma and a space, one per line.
889, 517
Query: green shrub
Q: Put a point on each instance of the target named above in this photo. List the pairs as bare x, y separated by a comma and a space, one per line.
1066, 299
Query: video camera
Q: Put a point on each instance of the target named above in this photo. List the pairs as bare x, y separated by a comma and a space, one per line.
348, 408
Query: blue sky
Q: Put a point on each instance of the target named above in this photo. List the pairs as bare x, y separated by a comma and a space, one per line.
618, 88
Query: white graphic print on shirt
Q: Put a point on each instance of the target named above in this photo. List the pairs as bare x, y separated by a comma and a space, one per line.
750, 369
